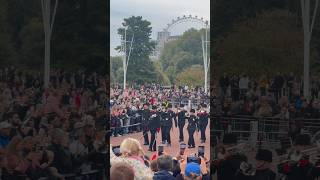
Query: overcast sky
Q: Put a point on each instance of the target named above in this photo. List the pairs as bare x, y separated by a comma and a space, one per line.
158, 12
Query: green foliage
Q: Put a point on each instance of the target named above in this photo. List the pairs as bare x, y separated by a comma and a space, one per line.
78, 40
140, 68
182, 53
7, 55
270, 43
192, 76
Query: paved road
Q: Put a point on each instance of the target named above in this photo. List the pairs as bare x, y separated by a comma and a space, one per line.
174, 149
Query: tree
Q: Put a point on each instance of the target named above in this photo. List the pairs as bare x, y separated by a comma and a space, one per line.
192, 76
140, 67
7, 55
270, 43
182, 53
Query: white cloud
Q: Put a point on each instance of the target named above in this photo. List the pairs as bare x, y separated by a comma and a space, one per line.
158, 12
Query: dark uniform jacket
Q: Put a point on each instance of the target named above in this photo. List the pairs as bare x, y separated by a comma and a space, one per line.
154, 122
182, 117
193, 123
145, 118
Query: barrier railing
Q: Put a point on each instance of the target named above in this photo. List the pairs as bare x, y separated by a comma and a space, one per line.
267, 131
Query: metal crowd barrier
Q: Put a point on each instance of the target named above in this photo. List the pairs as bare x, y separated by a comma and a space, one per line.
255, 131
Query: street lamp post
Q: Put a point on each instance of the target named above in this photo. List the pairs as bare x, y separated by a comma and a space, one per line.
48, 21
125, 57
206, 59
307, 34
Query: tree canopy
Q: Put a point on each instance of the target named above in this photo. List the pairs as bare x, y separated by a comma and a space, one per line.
140, 67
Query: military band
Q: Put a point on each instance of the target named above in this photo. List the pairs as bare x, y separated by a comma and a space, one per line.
163, 118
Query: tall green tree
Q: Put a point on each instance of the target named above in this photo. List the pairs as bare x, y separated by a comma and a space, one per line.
7, 53
182, 53
140, 67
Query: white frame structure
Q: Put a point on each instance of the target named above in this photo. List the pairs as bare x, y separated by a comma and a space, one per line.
125, 57
307, 33
48, 21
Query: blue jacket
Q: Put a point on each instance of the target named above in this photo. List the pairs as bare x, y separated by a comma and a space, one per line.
4, 141
163, 175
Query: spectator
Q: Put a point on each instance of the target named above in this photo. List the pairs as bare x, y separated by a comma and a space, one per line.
165, 166
132, 154
121, 171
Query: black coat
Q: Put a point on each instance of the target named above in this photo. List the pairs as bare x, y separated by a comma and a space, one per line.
163, 175
154, 122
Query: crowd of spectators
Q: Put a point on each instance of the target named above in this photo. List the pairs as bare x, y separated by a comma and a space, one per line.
127, 105
55, 132
132, 164
278, 96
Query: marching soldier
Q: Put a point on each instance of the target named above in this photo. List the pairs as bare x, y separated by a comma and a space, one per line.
203, 122
299, 166
181, 121
166, 123
172, 116
227, 161
145, 123
154, 125
192, 127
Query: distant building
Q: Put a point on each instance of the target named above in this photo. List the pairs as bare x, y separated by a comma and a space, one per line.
162, 38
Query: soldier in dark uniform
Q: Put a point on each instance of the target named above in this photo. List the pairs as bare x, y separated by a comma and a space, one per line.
172, 116
299, 167
145, 123
192, 127
154, 125
181, 122
165, 126
163, 113
203, 122
227, 161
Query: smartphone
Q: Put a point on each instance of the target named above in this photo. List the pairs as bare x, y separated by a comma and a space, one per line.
116, 150
201, 151
160, 150
183, 146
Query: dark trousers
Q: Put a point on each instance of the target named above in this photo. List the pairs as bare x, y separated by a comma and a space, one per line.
181, 132
163, 133
153, 143
203, 131
166, 134
191, 139
145, 136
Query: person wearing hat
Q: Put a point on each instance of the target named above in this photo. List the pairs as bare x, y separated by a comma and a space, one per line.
298, 165
203, 122
165, 125
154, 125
196, 171
192, 127
181, 121
227, 161
5, 129
145, 123
172, 116
262, 169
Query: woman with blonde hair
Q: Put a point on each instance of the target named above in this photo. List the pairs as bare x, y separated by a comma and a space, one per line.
131, 153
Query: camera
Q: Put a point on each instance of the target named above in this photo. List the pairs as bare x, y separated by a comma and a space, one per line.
116, 150
160, 150
201, 151
183, 146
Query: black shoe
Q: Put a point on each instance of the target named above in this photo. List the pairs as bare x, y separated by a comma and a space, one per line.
203, 141
146, 144
150, 150
189, 147
180, 140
